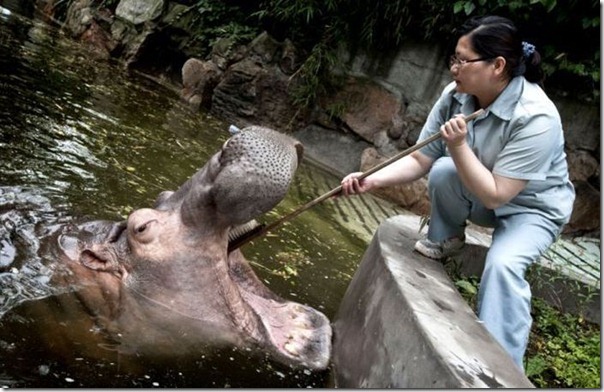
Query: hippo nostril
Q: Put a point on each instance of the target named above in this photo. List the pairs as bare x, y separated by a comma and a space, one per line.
91, 259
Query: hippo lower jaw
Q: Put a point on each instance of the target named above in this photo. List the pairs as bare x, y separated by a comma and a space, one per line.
298, 333
294, 333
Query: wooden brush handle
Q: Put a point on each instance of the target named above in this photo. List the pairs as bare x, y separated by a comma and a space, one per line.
265, 229
414, 148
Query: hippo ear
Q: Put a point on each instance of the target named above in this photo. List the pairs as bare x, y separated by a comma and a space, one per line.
162, 200
90, 259
299, 152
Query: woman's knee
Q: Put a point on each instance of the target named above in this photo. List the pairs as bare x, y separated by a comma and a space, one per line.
505, 266
443, 175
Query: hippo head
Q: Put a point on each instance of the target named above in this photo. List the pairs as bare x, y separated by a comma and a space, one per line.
165, 280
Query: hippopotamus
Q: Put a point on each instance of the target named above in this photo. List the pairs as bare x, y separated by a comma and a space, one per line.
164, 279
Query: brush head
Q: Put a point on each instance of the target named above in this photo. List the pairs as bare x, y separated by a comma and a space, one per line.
241, 234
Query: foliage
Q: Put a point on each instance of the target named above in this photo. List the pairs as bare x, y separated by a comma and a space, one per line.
563, 350
314, 78
211, 20
384, 25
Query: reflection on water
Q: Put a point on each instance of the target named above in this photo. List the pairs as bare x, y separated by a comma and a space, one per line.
82, 140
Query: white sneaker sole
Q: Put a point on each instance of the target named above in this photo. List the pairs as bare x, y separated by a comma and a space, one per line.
436, 254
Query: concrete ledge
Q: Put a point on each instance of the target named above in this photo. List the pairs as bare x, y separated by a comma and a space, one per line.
402, 324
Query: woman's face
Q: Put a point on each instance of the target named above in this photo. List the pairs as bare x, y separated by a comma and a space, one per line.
470, 77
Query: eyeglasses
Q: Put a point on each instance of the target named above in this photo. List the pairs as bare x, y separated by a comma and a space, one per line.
454, 60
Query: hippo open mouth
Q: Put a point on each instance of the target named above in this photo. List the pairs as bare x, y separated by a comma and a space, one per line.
170, 272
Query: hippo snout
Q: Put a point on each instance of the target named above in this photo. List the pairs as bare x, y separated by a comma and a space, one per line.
257, 167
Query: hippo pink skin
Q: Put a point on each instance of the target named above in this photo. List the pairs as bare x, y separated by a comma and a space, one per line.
164, 280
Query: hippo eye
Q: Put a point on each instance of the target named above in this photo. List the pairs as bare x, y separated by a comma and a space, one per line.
141, 230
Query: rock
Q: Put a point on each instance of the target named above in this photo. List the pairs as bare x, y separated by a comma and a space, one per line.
199, 79
252, 92
369, 108
581, 124
99, 40
384, 144
336, 151
134, 44
225, 53
139, 11
586, 210
582, 165
398, 127
79, 17
290, 61
82, 24
265, 49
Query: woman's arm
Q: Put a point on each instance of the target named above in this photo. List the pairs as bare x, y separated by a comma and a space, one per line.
406, 169
492, 190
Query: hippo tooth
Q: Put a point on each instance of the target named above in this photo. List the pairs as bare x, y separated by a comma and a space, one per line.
303, 324
304, 333
292, 349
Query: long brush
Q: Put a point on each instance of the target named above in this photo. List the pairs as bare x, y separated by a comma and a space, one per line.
243, 234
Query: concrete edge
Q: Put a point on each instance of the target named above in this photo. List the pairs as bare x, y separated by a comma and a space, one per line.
403, 324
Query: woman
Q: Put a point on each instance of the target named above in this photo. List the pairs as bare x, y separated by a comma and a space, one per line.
507, 170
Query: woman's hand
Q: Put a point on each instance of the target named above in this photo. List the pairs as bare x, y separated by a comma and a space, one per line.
454, 131
352, 185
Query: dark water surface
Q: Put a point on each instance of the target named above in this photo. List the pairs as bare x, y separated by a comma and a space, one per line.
84, 139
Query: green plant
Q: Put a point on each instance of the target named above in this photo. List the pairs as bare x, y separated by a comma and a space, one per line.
210, 20
563, 350
314, 79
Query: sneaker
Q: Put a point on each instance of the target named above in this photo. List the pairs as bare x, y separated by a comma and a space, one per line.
440, 250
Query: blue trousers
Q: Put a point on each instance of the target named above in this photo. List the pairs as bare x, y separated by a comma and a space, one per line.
504, 297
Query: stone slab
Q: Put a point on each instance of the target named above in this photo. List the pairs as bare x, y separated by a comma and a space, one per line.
402, 324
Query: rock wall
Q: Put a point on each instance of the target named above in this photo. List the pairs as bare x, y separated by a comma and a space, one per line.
386, 97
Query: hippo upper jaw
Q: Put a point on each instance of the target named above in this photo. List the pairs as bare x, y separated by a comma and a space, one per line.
247, 178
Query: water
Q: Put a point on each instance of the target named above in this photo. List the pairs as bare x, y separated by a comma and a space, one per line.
85, 139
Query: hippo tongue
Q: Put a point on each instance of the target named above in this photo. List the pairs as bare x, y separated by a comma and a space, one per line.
297, 332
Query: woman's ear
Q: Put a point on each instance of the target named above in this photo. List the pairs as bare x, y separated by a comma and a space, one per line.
499, 65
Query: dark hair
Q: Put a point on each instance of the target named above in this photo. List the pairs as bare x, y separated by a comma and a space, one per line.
493, 36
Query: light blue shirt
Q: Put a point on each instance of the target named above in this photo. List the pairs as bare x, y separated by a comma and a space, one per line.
519, 136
